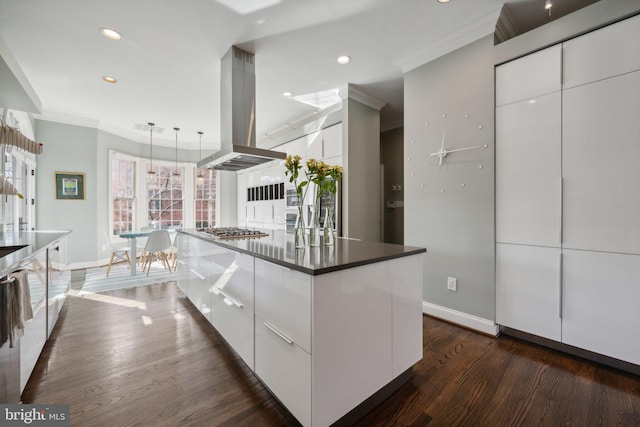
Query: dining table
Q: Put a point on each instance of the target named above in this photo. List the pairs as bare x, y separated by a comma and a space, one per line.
132, 235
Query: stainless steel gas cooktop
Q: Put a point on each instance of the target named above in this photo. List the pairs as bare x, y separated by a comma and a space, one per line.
228, 233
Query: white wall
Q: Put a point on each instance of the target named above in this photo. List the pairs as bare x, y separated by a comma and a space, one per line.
70, 148
454, 222
361, 160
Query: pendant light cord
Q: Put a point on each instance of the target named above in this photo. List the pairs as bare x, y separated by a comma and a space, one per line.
151, 125
176, 173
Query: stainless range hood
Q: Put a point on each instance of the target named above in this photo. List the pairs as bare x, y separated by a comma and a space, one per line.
237, 116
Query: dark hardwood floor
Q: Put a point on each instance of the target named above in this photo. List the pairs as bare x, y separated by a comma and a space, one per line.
145, 357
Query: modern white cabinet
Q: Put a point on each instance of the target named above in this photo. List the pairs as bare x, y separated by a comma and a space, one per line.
314, 145
283, 298
313, 333
44, 258
567, 210
601, 150
199, 276
283, 335
609, 51
528, 171
600, 310
533, 75
232, 301
528, 286
332, 141
322, 343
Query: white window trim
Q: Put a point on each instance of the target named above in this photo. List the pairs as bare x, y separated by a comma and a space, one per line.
142, 164
116, 155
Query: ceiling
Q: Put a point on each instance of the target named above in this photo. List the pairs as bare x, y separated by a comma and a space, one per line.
167, 63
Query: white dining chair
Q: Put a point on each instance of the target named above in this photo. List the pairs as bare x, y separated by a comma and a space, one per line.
157, 245
119, 253
173, 251
141, 242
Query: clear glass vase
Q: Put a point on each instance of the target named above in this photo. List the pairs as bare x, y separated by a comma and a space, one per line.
314, 225
329, 233
299, 230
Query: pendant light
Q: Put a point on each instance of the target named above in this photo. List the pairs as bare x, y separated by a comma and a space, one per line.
176, 173
150, 172
200, 176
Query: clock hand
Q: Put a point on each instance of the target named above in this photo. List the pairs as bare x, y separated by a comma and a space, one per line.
443, 152
462, 149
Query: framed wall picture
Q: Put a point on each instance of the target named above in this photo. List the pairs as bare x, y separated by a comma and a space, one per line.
69, 185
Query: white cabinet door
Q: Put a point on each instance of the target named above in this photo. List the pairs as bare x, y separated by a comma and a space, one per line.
600, 303
601, 54
286, 369
232, 305
332, 141
283, 299
601, 149
200, 272
533, 75
314, 145
528, 175
528, 289
297, 147
352, 337
184, 256
32, 343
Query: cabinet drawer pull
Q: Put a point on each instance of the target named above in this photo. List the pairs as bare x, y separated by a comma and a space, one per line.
227, 297
200, 276
278, 333
560, 286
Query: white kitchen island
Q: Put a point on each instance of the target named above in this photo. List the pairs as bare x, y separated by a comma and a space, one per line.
330, 331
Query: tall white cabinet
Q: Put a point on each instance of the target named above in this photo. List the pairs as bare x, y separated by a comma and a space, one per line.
567, 200
528, 193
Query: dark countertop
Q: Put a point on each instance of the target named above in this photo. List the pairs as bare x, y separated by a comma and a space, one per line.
35, 241
278, 248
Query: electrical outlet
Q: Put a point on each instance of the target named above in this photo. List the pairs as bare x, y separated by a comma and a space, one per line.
452, 283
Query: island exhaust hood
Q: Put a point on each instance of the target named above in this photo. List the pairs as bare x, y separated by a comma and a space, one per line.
237, 116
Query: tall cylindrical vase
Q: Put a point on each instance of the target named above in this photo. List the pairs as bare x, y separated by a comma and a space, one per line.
299, 230
329, 233
314, 225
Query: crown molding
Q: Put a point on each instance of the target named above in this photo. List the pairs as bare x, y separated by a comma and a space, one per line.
350, 91
469, 33
17, 92
506, 27
131, 135
391, 125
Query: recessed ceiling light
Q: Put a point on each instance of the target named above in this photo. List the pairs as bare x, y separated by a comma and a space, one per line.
109, 79
344, 59
110, 34
287, 94
443, 1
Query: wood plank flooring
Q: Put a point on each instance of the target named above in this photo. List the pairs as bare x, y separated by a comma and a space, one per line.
145, 357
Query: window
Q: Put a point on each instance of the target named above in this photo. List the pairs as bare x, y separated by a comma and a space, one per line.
138, 200
123, 195
205, 198
164, 197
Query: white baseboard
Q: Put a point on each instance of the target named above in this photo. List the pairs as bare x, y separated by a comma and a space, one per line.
463, 319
